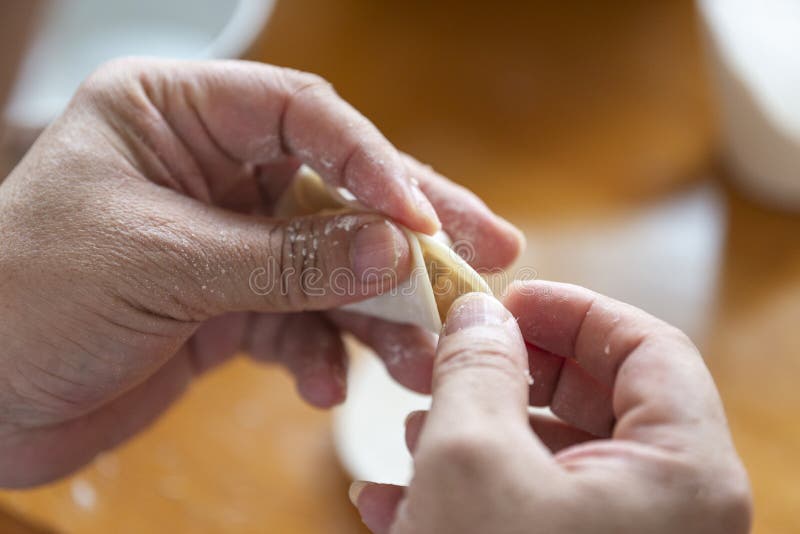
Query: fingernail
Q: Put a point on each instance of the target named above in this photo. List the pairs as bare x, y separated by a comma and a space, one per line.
424, 206
355, 490
377, 246
475, 309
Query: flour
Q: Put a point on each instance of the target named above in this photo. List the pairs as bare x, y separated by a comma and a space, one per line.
83, 494
342, 222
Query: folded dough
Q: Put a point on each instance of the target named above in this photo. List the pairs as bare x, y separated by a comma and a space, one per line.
438, 276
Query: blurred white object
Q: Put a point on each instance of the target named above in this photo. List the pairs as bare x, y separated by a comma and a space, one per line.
78, 35
755, 51
369, 429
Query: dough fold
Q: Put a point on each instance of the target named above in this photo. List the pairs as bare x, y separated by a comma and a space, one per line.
438, 276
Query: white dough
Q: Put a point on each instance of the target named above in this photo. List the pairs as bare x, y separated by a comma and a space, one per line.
438, 275
755, 52
411, 302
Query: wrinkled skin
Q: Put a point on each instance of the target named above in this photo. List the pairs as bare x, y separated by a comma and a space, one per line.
132, 228
640, 445
130, 235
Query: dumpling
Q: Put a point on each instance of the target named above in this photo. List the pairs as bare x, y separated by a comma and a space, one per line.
438, 276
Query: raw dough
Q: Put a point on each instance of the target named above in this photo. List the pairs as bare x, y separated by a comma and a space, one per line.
439, 275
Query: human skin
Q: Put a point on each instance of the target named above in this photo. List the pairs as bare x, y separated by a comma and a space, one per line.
132, 228
642, 444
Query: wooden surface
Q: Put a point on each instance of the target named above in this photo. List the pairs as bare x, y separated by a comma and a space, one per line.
557, 113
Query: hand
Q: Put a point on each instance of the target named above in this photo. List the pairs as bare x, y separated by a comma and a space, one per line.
642, 445
132, 230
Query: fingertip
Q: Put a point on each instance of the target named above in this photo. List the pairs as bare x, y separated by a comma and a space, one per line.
515, 241
498, 242
407, 351
489, 241
379, 180
376, 503
493, 241
429, 222
419, 213
412, 208
481, 365
408, 360
323, 389
475, 309
416, 379
413, 425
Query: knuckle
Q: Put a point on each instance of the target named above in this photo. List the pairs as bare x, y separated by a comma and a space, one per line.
297, 82
485, 351
110, 75
670, 337
304, 79
123, 87
678, 336
299, 262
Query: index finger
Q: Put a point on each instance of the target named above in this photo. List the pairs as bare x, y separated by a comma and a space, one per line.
227, 113
662, 394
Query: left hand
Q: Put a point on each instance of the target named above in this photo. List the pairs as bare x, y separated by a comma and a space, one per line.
130, 230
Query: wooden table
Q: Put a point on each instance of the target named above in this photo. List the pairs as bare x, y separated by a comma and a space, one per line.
559, 114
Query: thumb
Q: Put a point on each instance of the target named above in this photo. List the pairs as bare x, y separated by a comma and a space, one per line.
481, 365
210, 261
480, 383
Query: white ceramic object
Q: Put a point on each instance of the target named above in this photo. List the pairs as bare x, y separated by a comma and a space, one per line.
755, 52
369, 430
76, 36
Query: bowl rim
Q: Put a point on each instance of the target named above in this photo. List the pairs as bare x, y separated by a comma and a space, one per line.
248, 19
245, 22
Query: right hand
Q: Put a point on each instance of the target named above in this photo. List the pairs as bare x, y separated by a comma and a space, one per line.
642, 445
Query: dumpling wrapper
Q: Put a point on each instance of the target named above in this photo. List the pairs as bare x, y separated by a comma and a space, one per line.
438, 275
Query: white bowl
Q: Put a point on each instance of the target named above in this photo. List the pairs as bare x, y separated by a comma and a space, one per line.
76, 36
369, 429
755, 53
